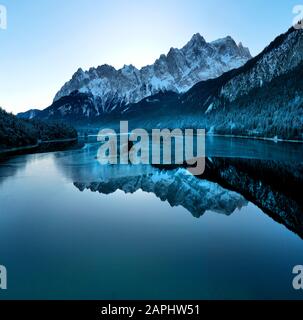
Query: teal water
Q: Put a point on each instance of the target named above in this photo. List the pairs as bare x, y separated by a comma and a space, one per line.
63, 235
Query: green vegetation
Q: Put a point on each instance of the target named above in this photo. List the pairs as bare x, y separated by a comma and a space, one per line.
16, 132
276, 109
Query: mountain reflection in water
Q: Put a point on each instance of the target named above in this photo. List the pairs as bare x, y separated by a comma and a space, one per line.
126, 242
227, 184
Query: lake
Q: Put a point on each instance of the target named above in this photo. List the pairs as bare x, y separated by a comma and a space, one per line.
73, 229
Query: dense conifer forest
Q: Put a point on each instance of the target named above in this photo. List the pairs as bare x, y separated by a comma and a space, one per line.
16, 132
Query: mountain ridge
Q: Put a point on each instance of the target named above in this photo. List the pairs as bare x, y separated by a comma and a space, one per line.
256, 99
177, 71
262, 98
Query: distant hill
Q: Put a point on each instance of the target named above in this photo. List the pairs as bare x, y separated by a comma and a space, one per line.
30, 114
16, 132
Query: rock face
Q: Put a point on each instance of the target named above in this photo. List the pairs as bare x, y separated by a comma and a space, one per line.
263, 98
275, 62
30, 114
177, 71
281, 57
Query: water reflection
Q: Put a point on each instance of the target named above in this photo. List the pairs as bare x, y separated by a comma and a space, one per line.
274, 186
9, 167
222, 147
121, 246
227, 184
176, 187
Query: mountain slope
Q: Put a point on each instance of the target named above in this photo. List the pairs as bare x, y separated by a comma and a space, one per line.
262, 98
177, 71
110, 90
16, 132
282, 56
30, 114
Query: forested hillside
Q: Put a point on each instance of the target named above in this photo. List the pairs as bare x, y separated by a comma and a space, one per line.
276, 109
16, 132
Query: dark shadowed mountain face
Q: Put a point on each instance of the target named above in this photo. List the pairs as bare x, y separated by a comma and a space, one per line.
30, 114
273, 110
177, 71
262, 98
109, 90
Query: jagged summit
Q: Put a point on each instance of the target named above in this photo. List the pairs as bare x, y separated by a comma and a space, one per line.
262, 97
177, 71
196, 39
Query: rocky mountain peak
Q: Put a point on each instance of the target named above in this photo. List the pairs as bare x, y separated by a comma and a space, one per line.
196, 40
177, 71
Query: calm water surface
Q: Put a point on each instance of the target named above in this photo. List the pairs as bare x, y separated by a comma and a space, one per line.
71, 229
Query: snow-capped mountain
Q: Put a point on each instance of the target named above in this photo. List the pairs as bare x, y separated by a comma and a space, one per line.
177, 71
262, 98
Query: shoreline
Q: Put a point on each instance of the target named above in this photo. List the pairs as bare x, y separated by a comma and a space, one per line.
31, 148
233, 136
254, 138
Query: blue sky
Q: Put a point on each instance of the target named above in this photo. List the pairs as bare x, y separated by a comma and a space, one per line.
47, 41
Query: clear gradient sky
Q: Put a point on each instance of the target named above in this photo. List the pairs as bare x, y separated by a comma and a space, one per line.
48, 40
